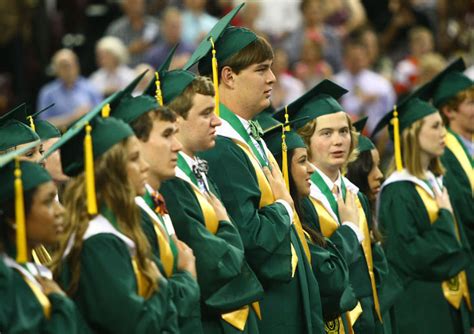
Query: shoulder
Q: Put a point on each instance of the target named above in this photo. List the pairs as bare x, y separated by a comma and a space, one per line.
50, 87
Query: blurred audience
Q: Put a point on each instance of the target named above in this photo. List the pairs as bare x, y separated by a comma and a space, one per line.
345, 16
312, 68
430, 64
143, 84
196, 21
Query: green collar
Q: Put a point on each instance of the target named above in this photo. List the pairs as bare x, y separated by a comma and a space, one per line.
458, 137
183, 165
318, 180
110, 216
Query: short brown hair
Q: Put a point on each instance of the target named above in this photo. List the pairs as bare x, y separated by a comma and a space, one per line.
256, 52
143, 125
184, 102
454, 102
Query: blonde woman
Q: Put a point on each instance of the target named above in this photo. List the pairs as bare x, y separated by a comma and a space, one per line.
425, 246
107, 266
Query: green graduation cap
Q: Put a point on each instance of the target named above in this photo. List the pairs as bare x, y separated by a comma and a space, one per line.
318, 101
128, 108
274, 140
365, 144
16, 177
169, 84
43, 128
266, 119
14, 132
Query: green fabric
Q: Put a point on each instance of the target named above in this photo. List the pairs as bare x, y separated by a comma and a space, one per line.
318, 101
266, 119
319, 182
289, 305
112, 305
182, 164
14, 133
32, 175
422, 255
172, 84
46, 130
274, 141
106, 132
224, 273
365, 144
450, 86
204, 48
131, 108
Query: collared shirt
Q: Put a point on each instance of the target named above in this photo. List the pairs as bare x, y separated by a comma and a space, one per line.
258, 145
202, 182
469, 144
67, 100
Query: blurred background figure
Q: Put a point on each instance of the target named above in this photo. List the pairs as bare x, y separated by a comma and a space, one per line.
196, 21
136, 29
113, 74
149, 76
72, 95
429, 65
170, 35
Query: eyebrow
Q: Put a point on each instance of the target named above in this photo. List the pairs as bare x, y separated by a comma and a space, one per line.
334, 129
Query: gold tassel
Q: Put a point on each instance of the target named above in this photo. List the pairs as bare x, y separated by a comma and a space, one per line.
396, 140
215, 78
158, 95
32, 123
284, 161
105, 112
21, 251
89, 170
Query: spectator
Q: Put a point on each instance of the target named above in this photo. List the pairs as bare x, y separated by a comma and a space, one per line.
137, 30
407, 70
171, 32
378, 62
312, 68
286, 88
370, 94
430, 64
113, 73
72, 95
314, 28
196, 22
344, 15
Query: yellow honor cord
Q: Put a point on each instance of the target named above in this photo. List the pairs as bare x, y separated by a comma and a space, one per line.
396, 140
215, 78
89, 171
284, 159
32, 123
105, 112
21, 251
158, 95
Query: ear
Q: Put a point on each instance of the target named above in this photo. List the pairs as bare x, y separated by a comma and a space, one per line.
227, 77
448, 112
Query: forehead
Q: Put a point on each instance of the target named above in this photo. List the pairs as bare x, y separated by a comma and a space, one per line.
162, 125
332, 121
431, 118
299, 152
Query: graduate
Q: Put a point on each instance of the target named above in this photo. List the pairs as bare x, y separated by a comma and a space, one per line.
154, 127
105, 263
30, 216
424, 244
328, 264
250, 182
343, 212
199, 217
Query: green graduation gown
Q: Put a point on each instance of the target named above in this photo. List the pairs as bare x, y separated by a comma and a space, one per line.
185, 289
221, 267
107, 293
22, 312
290, 304
423, 255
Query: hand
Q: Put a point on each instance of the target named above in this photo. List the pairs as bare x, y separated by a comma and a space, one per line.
186, 259
155, 272
49, 286
277, 183
219, 208
443, 200
348, 211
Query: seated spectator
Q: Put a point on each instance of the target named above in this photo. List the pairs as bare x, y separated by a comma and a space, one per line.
113, 73
312, 68
72, 95
171, 31
136, 30
196, 21
407, 70
345, 15
430, 64
378, 62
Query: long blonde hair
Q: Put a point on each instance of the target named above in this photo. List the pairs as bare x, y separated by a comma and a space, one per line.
114, 191
306, 132
411, 149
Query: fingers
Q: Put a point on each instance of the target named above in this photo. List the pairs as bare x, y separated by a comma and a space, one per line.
267, 173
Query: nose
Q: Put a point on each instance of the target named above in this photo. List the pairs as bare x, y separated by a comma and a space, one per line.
379, 174
271, 77
215, 121
144, 165
176, 145
58, 209
310, 168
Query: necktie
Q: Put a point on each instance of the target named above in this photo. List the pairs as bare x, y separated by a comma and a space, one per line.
200, 169
335, 190
255, 130
159, 201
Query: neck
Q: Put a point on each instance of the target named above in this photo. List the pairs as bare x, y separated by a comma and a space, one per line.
234, 104
458, 129
331, 172
425, 160
188, 152
154, 182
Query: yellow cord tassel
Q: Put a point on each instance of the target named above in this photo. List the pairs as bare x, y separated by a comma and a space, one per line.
105, 112
284, 159
21, 251
396, 140
215, 78
32, 123
158, 95
89, 170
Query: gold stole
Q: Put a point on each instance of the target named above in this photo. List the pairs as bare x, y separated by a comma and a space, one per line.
267, 198
143, 284
237, 318
456, 287
41, 255
40, 296
455, 146
166, 254
328, 225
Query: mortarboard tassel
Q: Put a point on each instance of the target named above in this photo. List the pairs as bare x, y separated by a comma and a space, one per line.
215, 78
158, 96
89, 171
32, 123
396, 140
21, 251
105, 112
284, 150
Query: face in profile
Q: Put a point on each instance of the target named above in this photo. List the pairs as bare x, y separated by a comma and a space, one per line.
432, 135
137, 167
301, 170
